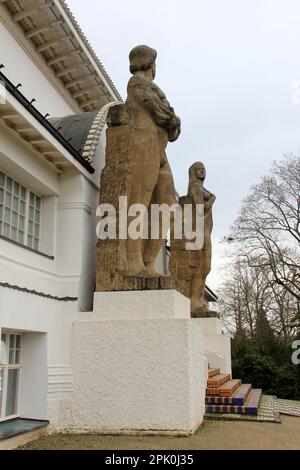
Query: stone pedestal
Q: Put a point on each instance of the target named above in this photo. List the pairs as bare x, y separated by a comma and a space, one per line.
217, 344
138, 365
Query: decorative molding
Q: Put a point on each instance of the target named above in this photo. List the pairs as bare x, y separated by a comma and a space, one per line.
60, 381
39, 294
95, 131
75, 205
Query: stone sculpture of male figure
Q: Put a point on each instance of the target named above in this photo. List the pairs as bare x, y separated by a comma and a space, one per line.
137, 167
154, 123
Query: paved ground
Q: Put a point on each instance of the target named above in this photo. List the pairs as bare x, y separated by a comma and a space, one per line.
212, 435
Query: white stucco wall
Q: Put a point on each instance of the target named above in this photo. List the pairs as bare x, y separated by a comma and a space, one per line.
166, 303
68, 224
217, 344
138, 367
218, 348
46, 325
68, 234
19, 159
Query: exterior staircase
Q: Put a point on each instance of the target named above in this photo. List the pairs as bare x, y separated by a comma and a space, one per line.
226, 395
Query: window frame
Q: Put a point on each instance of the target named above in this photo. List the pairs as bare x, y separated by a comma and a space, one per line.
27, 220
6, 367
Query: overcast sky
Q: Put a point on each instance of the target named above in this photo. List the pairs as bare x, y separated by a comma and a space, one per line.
227, 67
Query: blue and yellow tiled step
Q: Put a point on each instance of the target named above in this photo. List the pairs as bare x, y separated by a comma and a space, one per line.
237, 399
224, 395
225, 390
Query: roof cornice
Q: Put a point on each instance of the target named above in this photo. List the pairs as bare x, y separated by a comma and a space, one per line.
68, 60
90, 49
17, 32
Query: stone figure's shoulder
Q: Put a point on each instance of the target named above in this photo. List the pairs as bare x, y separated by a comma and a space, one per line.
139, 82
158, 91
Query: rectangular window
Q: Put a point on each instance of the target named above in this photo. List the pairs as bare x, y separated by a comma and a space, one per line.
10, 366
20, 213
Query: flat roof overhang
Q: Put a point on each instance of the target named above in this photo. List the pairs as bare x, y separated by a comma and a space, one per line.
22, 117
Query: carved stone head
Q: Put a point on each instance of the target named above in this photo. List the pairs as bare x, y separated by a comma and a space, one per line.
197, 171
142, 58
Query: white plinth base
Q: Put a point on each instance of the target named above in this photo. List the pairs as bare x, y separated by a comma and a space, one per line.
138, 374
134, 305
217, 344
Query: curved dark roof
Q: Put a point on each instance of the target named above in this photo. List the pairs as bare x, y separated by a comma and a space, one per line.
75, 128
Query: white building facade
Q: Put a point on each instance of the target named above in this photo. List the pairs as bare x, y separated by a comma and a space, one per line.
55, 95
49, 190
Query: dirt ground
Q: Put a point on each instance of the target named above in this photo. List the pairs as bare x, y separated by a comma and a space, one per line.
221, 435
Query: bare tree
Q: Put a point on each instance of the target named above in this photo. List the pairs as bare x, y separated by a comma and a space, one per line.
283, 312
242, 296
267, 231
247, 292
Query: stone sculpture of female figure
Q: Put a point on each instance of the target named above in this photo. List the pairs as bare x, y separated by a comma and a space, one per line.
197, 194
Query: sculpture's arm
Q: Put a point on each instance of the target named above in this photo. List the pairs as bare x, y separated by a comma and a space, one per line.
175, 131
143, 93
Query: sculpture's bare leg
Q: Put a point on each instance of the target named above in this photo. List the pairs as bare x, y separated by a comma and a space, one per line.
144, 177
199, 278
164, 193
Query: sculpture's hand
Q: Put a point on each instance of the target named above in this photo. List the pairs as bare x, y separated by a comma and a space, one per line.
164, 117
175, 131
160, 111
